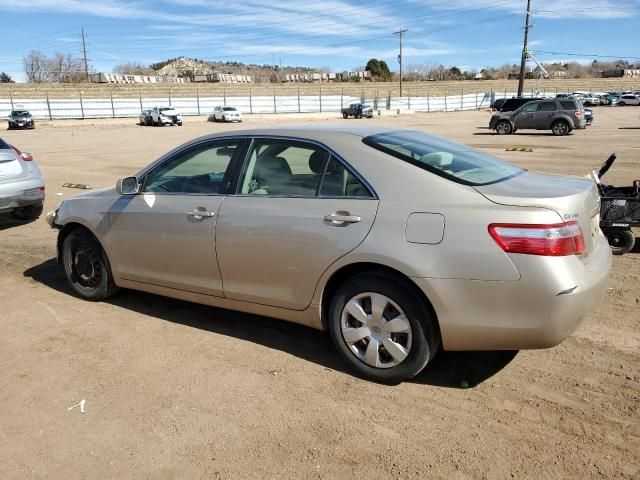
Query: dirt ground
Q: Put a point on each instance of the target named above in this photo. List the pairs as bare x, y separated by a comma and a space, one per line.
177, 390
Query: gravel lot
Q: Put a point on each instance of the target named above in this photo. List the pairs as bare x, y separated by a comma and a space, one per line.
177, 390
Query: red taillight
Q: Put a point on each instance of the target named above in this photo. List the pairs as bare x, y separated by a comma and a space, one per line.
577, 114
555, 240
27, 157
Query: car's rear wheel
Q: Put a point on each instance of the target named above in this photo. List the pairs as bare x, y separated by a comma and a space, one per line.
560, 128
621, 240
381, 329
503, 127
31, 212
86, 266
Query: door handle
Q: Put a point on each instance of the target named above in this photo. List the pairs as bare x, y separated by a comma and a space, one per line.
341, 218
200, 213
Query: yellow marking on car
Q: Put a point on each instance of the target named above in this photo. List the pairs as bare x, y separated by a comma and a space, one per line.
81, 186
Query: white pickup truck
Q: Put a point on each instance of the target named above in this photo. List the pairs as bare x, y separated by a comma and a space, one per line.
161, 116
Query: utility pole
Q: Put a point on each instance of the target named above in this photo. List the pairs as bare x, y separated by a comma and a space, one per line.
84, 53
400, 33
525, 51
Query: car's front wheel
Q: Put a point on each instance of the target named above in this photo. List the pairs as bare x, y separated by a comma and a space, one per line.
86, 266
621, 104
504, 127
31, 212
382, 330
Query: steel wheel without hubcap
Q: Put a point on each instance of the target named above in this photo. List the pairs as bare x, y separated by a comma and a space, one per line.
376, 330
86, 267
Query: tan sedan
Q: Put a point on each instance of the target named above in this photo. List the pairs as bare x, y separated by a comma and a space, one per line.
396, 241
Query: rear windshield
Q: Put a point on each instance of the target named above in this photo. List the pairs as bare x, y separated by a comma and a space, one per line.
451, 160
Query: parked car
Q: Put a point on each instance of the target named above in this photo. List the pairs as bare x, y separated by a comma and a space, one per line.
560, 116
146, 118
357, 110
20, 119
628, 100
21, 183
515, 103
497, 103
309, 225
161, 116
225, 114
588, 99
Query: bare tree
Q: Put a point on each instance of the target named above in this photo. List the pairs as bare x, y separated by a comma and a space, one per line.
58, 68
35, 67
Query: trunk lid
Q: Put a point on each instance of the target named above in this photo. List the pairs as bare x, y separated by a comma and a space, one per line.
11, 166
574, 199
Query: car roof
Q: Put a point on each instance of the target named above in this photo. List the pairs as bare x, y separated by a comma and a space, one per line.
313, 132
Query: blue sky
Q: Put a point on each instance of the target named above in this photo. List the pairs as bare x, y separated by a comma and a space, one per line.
339, 34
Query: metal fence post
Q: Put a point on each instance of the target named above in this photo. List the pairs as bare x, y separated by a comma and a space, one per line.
408, 99
445, 100
113, 112
140, 94
342, 98
169, 97
11, 99
81, 105
48, 106
275, 108
250, 103
320, 99
375, 101
505, 92
389, 100
476, 98
224, 96
428, 103
198, 100
299, 100
362, 95
462, 99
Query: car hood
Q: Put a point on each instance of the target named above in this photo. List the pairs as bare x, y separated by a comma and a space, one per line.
103, 192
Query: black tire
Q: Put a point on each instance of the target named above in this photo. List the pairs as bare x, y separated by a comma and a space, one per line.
86, 266
29, 213
344, 115
425, 339
560, 128
359, 115
504, 127
622, 104
621, 240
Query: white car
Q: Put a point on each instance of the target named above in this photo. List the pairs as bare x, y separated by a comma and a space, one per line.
225, 114
161, 116
629, 100
21, 184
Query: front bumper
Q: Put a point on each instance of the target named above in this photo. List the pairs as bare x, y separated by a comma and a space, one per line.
540, 310
21, 124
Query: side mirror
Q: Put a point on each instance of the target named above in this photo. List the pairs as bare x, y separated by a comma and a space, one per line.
127, 186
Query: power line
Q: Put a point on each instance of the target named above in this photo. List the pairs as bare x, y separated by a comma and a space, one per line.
592, 55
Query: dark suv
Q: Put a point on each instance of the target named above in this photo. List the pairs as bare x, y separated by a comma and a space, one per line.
511, 104
560, 115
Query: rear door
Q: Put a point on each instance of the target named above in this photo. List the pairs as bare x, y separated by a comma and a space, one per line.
298, 209
546, 114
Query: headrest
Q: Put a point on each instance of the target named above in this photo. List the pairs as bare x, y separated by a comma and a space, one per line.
438, 159
316, 162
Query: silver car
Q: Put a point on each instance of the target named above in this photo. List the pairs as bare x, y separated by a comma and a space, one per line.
397, 242
21, 184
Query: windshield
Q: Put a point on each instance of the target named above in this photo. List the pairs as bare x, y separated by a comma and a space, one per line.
451, 160
228, 109
20, 113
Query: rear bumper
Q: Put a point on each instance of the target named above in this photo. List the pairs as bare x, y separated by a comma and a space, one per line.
540, 310
21, 193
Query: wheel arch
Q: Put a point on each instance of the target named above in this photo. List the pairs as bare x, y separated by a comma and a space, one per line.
69, 227
338, 277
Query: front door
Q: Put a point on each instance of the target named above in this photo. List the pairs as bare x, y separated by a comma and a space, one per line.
526, 118
298, 210
166, 234
546, 114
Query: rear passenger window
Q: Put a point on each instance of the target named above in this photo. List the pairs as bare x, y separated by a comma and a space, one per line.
340, 182
568, 105
547, 106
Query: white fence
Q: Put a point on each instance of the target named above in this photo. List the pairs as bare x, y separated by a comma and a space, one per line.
45, 108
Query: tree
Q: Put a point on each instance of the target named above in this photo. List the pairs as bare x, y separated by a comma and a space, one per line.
379, 70
455, 72
5, 78
59, 68
35, 67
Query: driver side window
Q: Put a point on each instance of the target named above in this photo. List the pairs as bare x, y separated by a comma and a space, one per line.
532, 107
198, 170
